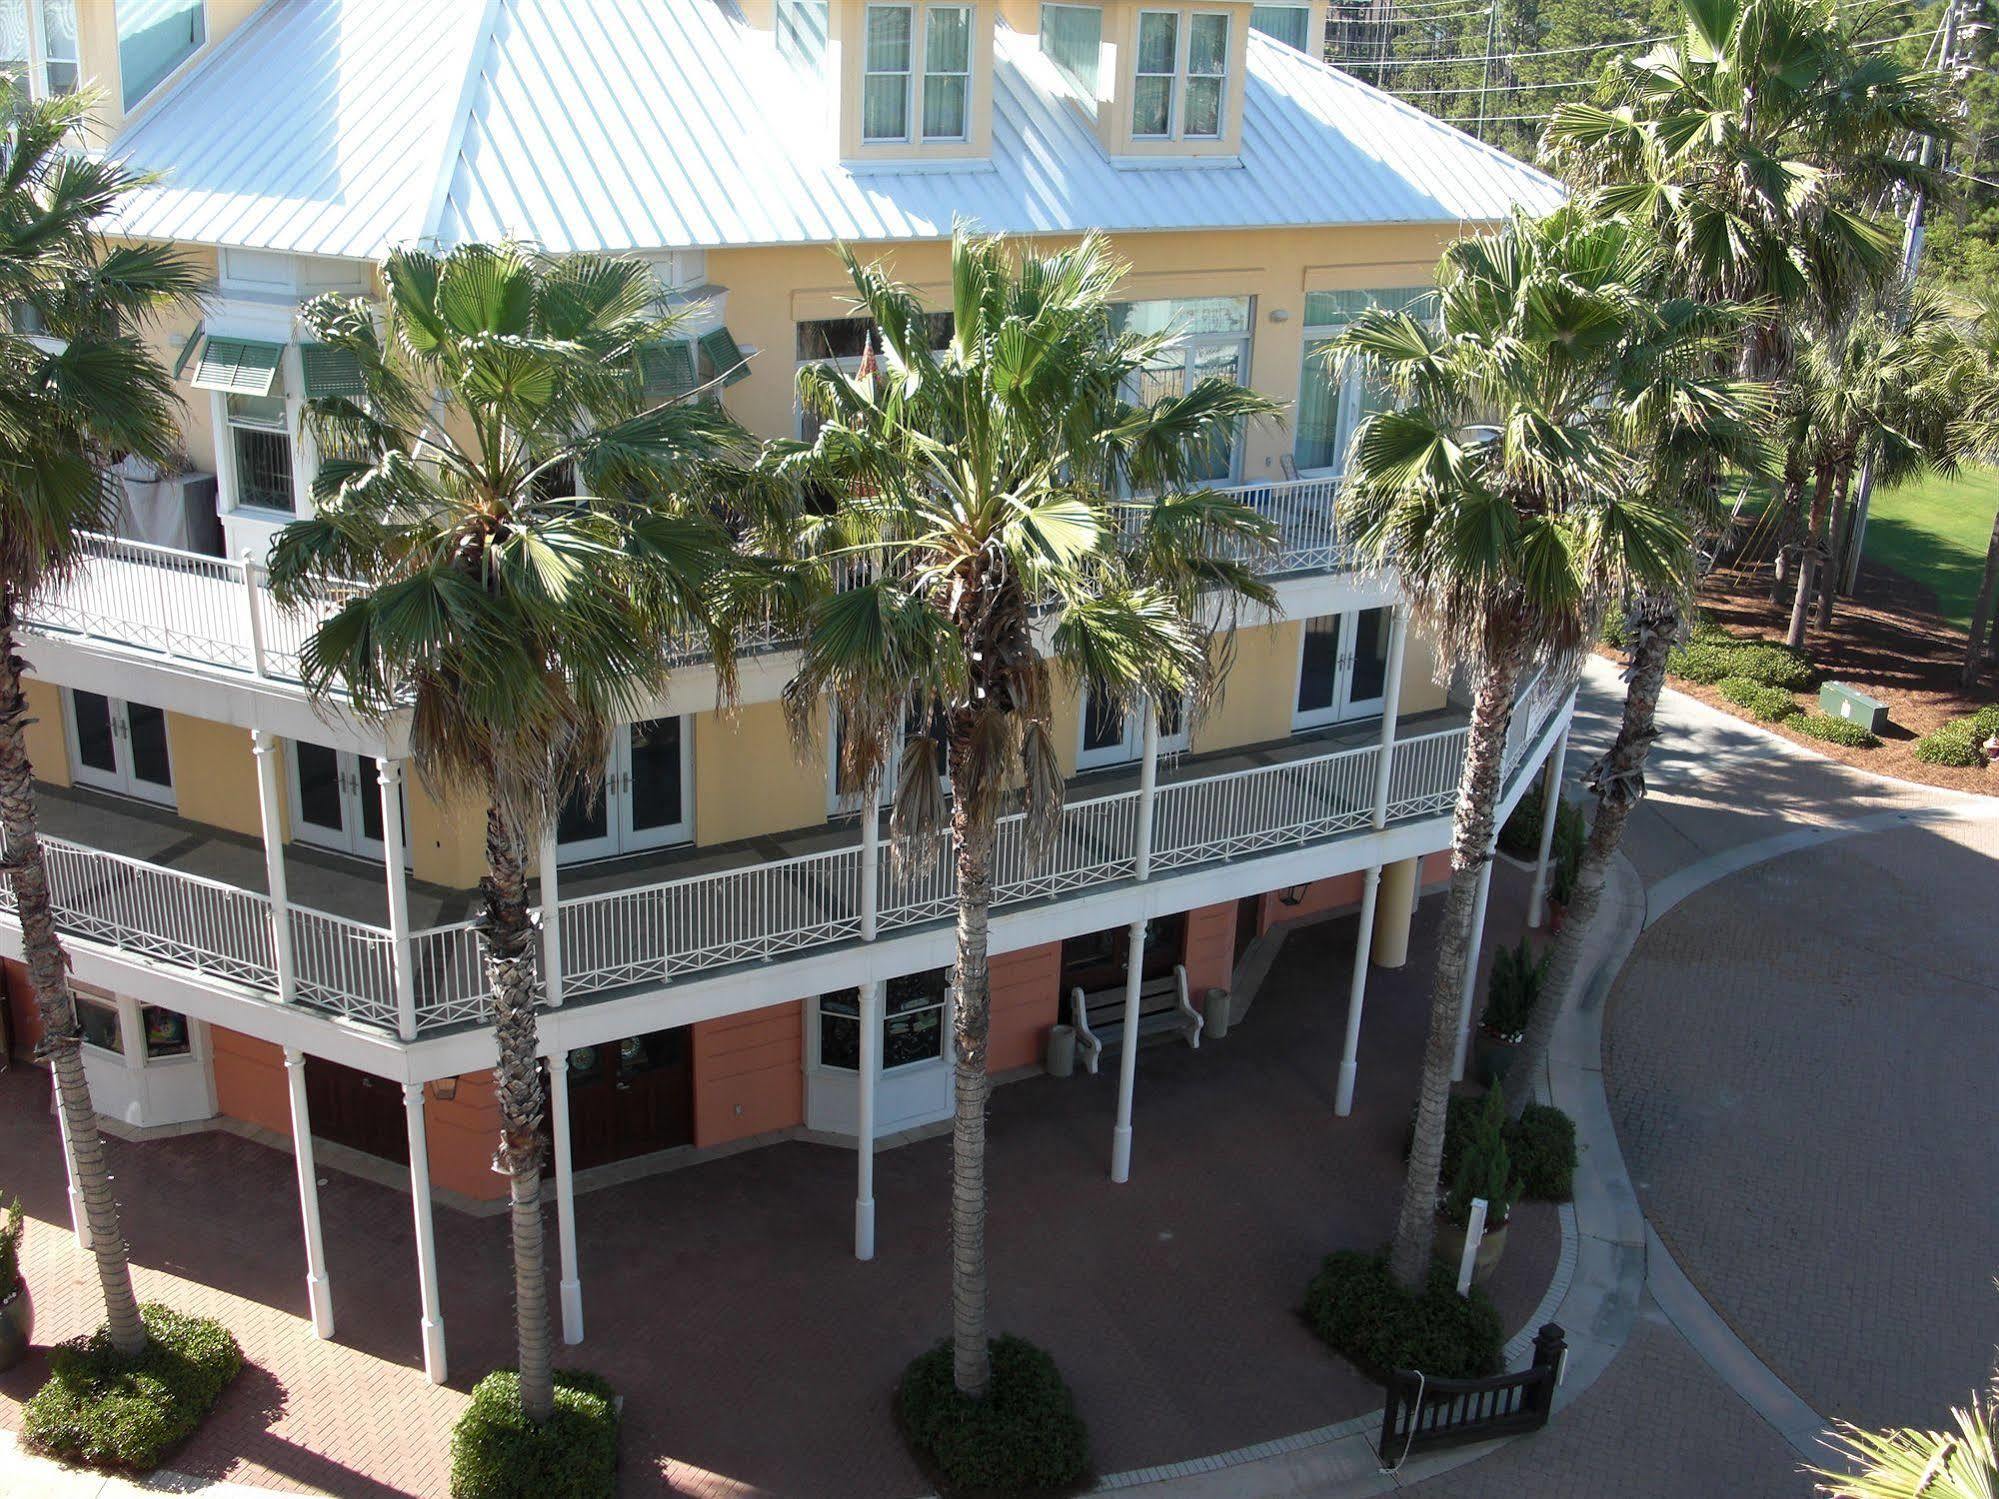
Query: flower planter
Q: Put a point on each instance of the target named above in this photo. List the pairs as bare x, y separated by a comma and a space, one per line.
1450, 1249
1492, 1056
17, 1326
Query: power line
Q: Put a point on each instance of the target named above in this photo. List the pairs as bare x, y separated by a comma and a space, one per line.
1497, 88
1417, 62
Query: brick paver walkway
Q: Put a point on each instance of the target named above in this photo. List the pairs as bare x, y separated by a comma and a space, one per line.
756, 1354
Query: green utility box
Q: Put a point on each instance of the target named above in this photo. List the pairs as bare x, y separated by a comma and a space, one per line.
1844, 700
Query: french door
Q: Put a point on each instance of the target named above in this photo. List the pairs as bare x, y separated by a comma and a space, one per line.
1184, 365
119, 746
1112, 736
337, 800
643, 802
915, 725
1342, 666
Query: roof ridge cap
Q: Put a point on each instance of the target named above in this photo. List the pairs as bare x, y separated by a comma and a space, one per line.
430, 226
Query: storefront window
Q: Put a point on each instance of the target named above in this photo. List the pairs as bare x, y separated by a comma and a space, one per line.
99, 1022
165, 1032
912, 1022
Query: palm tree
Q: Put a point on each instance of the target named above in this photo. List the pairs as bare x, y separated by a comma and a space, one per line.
71, 404
495, 541
1753, 145
1910, 1463
1503, 491
976, 487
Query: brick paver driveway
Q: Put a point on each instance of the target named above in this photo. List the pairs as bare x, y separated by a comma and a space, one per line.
724, 1301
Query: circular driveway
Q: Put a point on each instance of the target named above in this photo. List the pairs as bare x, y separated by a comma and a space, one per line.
1801, 1061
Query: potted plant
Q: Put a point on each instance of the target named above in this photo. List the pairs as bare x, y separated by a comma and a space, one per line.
17, 1312
1484, 1170
1510, 993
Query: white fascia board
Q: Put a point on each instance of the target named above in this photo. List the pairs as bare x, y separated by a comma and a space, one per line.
280, 708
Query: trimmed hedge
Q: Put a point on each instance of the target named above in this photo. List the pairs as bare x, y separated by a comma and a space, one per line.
497, 1453
1542, 1143
1955, 744
1710, 659
1355, 1305
1024, 1437
12, 1226
1985, 722
108, 1411
1771, 704
1834, 730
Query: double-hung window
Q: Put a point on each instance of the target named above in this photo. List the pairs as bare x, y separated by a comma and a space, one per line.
1180, 75
38, 43
891, 66
886, 66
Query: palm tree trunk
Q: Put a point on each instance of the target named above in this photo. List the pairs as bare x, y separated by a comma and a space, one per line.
1829, 566
1808, 559
1790, 500
1618, 780
1982, 609
1471, 846
510, 966
48, 965
971, 1020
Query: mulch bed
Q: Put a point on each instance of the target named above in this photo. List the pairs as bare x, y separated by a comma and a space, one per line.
1888, 641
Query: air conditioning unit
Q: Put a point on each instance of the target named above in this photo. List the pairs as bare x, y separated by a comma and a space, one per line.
168, 510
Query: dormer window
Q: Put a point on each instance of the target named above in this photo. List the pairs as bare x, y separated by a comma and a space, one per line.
1181, 77
154, 38
801, 32
891, 67
1289, 24
1072, 36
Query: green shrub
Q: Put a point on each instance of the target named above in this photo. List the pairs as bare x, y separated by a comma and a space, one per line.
11, 1228
1542, 1142
102, 1408
1771, 704
1712, 658
1614, 633
1355, 1305
1956, 744
1485, 1167
1543, 1145
1985, 722
1565, 853
1520, 834
1517, 976
1023, 1438
1702, 661
497, 1453
1835, 730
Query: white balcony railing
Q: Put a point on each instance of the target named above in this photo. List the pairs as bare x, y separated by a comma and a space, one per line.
660, 933
218, 612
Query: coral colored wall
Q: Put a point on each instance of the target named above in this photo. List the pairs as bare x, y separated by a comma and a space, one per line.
1321, 896
748, 1075
1026, 999
250, 1080
20, 1002
463, 1131
1436, 869
1210, 950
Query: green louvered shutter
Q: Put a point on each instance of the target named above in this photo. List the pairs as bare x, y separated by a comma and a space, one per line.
668, 367
720, 347
238, 366
331, 372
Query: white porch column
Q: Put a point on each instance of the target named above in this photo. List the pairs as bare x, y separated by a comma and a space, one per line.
551, 920
318, 1289
270, 810
870, 1022
1357, 992
571, 1284
864, 1142
1370, 892
426, 1238
390, 774
1469, 988
1551, 799
1127, 1065
1148, 788
79, 1220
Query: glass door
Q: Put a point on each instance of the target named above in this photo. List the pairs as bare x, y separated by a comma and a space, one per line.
1112, 736
1366, 682
1342, 666
120, 746
643, 801
337, 800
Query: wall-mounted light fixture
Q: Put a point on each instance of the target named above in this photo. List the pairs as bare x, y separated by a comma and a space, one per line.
444, 1089
1295, 896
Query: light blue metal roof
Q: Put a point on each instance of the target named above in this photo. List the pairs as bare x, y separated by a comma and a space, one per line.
341, 127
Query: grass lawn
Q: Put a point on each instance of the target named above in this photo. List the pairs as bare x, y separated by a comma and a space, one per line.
1935, 531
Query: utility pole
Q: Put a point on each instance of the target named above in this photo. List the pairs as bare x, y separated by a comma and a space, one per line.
1491, 46
1912, 249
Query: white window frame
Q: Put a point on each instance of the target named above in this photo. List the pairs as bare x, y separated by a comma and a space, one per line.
923, 74
360, 779
1131, 747
1344, 705
36, 63
908, 75
175, 73
124, 780
946, 1052
1187, 75
620, 840
1172, 79
1353, 385
838, 805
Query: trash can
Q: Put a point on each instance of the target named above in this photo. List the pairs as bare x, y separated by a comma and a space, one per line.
1215, 1013
1061, 1059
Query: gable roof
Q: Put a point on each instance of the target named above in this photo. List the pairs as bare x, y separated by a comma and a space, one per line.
340, 127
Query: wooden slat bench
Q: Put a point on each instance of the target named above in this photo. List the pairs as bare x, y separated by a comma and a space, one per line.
1163, 1006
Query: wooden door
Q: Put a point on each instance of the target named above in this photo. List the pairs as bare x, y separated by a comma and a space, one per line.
631, 1098
357, 1109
